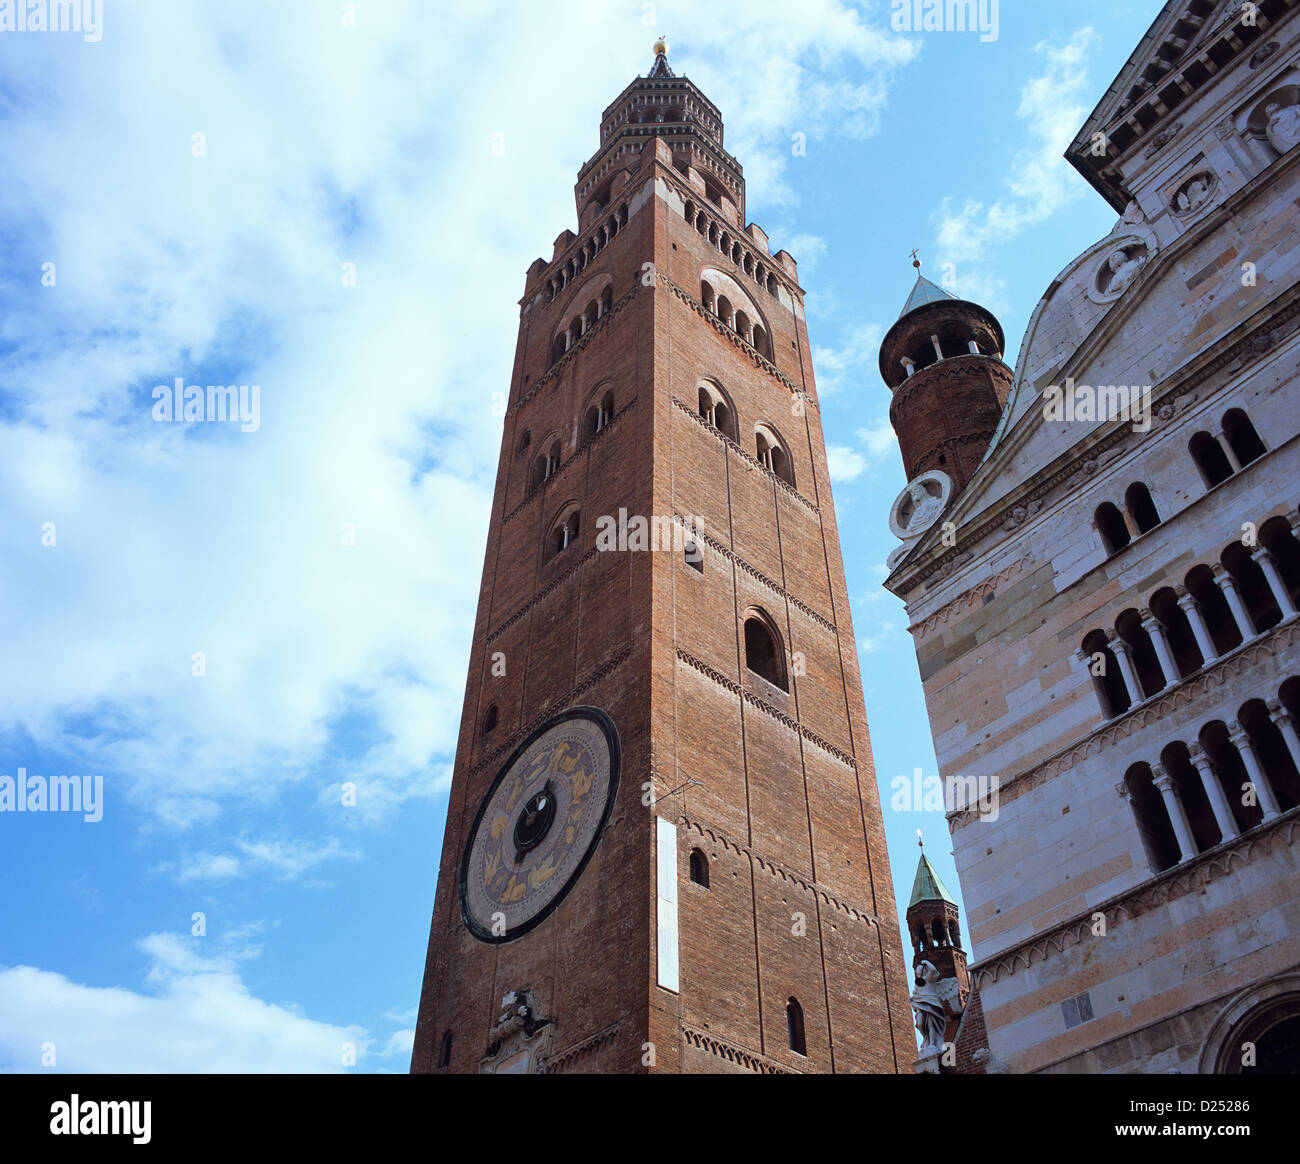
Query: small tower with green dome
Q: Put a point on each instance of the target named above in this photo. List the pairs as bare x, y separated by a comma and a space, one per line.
934, 930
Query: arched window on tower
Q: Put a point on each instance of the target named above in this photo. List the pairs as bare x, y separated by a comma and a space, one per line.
743, 327
1111, 527
1271, 749
763, 653
1178, 630
1227, 763
714, 409
489, 720
1276, 537
1105, 672
1151, 678
525, 440
794, 1027
546, 465
1141, 508
772, 454
444, 1050
563, 534
1256, 593
699, 868
1225, 634
1210, 459
1151, 818
1242, 438
1191, 792
706, 296
598, 415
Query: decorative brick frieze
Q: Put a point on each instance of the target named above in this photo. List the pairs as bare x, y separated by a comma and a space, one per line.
752, 461
777, 870
756, 574
767, 709
563, 362
720, 1048
565, 1059
759, 360
577, 454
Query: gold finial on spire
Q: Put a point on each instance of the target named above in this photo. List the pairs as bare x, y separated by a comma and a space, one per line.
920, 839
661, 47
915, 261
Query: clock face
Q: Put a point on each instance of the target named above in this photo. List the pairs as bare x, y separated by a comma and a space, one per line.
539, 824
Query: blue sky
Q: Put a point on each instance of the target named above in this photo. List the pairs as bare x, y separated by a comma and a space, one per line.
218, 258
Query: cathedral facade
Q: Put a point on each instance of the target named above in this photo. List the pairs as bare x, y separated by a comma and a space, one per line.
1100, 565
664, 849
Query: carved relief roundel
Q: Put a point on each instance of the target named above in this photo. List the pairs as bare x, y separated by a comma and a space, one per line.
918, 506
539, 824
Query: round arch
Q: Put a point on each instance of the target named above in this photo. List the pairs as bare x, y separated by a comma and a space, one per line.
1247, 1018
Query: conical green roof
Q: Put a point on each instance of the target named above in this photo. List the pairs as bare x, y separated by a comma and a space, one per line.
927, 886
924, 292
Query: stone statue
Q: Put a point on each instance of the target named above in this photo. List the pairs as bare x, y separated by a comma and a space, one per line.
1123, 269
928, 1009
1198, 190
925, 507
1283, 125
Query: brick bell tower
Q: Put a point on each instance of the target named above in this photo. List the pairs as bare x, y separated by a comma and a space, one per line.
938, 969
663, 849
942, 360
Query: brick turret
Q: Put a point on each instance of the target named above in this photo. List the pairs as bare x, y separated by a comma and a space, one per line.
942, 360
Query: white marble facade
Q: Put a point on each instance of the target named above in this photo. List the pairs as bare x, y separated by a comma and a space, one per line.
1172, 926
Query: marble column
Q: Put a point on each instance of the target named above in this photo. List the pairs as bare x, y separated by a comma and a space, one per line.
1214, 790
1280, 716
1228, 584
1164, 652
1263, 789
1268, 564
1177, 814
1227, 452
1123, 655
1196, 620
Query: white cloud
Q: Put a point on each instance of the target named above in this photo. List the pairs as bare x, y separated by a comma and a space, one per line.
1039, 180
885, 634
195, 1014
286, 859
324, 144
400, 1043
821, 69
806, 250
852, 363
880, 439
844, 464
